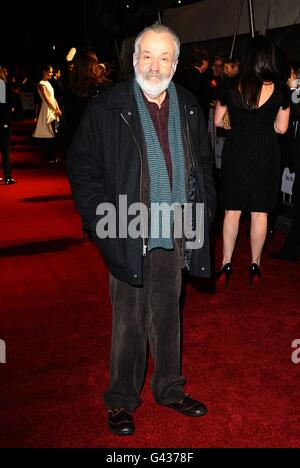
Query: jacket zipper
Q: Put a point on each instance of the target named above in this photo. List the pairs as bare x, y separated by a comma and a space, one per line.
191, 152
141, 159
188, 139
190, 149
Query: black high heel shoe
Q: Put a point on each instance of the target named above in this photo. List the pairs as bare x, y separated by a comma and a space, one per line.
254, 272
226, 271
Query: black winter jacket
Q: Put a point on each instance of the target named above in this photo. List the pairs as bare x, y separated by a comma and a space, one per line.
105, 160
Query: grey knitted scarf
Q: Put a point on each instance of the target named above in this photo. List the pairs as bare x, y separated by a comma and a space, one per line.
160, 190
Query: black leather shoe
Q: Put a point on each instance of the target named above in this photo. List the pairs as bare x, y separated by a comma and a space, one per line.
10, 181
120, 422
189, 407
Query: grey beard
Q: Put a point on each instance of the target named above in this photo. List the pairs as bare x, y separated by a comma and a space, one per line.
154, 91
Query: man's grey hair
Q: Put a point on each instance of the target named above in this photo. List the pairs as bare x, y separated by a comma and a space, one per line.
157, 28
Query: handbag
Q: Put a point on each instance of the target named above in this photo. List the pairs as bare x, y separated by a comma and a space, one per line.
226, 121
53, 120
55, 124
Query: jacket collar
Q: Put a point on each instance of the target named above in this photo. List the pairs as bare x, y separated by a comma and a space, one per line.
122, 97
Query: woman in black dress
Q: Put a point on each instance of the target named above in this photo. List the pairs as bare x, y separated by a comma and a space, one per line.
258, 107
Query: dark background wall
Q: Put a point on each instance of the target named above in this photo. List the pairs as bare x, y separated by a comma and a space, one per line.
30, 29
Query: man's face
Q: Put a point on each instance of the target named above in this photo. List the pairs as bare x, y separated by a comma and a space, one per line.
155, 66
218, 68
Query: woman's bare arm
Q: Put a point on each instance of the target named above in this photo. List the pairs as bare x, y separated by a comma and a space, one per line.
282, 121
219, 114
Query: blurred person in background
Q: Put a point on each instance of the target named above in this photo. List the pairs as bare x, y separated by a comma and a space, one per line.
86, 83
286, 148
290, 249
58, 86
217, 80
6, 111
104, 80
231, 68
49, 115
194, 79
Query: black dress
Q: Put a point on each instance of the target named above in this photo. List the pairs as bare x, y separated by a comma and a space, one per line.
250, 175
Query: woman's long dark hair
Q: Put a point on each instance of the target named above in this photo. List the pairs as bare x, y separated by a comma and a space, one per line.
260, 64
86, 73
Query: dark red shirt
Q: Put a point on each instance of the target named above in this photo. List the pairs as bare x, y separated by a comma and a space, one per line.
160, 119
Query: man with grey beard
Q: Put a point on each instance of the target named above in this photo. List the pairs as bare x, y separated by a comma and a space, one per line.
145, 139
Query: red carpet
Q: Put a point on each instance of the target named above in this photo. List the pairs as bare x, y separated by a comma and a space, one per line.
55, 319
